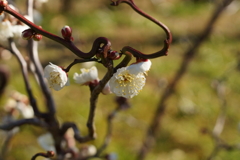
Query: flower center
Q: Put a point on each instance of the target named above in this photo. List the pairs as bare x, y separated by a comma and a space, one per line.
55, 78
125, 79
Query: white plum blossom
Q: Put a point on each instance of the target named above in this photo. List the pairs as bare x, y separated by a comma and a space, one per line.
9, 30
128, 81
87, 76
57, 78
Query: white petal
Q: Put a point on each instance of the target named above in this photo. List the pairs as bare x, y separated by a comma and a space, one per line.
140, 67
57, 78
125, 84
87, 75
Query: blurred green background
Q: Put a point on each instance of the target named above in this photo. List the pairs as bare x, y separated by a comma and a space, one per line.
195, 105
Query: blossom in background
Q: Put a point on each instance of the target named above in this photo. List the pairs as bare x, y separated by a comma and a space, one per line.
18, 105
9, 30
128, 81
87, 76
46, 142
57, 78
5, 31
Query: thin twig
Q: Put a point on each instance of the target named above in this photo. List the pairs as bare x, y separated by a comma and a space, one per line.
32, 121
24, 71
49, 154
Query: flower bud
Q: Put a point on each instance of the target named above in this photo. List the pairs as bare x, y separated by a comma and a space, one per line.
27, 34
113, 55
37, 37
67, 33
50, 153
3, 3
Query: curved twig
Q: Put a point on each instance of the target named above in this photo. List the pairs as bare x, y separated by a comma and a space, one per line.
137, 53
49, 154
76, 61
96, 47
32, 121
77, 134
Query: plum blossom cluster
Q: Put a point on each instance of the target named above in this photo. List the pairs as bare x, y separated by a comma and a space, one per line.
10, 27
126, 82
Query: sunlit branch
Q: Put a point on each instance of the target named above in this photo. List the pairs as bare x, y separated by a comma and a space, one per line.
93, 100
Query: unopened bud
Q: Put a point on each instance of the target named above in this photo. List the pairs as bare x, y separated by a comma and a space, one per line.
50, 153
113, 55
27, 34
3, 3
67, 33
37, 37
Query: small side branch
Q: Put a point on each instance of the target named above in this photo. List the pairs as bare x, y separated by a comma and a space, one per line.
136, 53
24, 70
31, 121
49, 154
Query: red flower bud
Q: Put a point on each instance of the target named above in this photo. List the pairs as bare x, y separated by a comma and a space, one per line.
27, 34
3, 3
67, 33
113, 55
37, 37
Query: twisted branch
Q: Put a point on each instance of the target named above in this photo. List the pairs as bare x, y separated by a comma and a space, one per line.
137, 53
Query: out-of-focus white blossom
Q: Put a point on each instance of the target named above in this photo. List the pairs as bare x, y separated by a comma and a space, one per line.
17, 105
128, 81
5, 31
88, 150
18, 29
46, 142
87, 76
57, 78
9, 30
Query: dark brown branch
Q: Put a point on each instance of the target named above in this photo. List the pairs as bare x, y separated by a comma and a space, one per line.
96, 47
24, 71
33, 54
49, 154
76, 61
137, 53
170, 89
93, 100
4, 78
77, 134
18, 123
